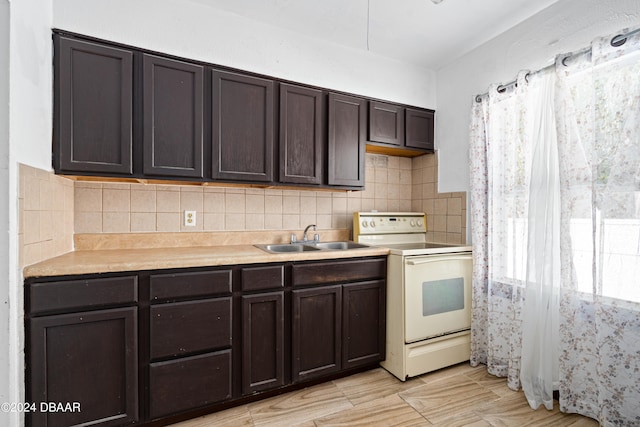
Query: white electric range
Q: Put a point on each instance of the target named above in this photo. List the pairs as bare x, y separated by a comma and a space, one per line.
428, 293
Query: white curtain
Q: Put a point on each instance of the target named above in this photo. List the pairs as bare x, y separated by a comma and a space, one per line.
539, 372
555, 222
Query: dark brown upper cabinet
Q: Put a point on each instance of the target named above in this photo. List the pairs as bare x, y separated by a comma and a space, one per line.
386, 123
173, 115
121, 111
346, 139
242, 127
93, 105
398, 130
302, 146
419, 129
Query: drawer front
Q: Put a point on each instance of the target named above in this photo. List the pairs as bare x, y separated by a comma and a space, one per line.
187, 327
194, 284
70, 295
189, 382
260, 278
319, 273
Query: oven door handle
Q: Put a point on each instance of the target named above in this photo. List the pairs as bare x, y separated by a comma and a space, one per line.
438, 258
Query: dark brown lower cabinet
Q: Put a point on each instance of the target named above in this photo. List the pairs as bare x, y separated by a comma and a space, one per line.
197, 339
189, 382
262, 341
89, 358
363, 323
317, 331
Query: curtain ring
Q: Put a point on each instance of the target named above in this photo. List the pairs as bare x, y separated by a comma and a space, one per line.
501, 89
564, 61
618, 40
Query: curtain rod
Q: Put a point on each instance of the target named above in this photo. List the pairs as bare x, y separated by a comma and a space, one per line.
616, 41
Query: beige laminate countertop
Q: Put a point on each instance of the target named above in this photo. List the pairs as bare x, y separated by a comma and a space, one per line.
115, 260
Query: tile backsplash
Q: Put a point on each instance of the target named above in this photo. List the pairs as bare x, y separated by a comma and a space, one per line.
446, 212
125, 208
46, 215
53, 208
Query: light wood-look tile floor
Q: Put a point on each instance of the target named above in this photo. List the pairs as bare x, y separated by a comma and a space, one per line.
455, 396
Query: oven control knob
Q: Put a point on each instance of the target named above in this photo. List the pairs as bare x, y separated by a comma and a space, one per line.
419, 223
372, 224
412, 223
364, 224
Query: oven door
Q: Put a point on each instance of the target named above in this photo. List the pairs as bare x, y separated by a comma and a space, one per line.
437, 295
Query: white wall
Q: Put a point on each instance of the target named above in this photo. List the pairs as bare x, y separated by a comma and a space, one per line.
200, 32
5, 351
25, 45
566, 26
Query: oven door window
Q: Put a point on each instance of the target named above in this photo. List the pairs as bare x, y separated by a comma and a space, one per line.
442, 296
437, 295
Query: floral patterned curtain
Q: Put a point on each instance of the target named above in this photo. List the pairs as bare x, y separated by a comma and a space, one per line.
597, 115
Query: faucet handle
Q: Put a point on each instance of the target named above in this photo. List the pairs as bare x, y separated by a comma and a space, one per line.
316, 238
294, 239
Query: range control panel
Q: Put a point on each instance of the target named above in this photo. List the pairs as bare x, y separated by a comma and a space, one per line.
367, 223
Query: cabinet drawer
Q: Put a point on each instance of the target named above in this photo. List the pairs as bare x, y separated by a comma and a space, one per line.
334, 272
181, 285
187, 327
87, 293
259, 278
189, 382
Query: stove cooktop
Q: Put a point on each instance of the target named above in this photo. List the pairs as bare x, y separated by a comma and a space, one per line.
425, 248
404, 233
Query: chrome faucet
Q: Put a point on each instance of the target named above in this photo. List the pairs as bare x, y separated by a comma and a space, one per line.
316, 237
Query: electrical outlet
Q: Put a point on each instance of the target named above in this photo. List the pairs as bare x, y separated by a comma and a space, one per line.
189, 218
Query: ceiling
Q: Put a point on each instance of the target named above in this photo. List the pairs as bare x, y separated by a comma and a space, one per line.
415, 31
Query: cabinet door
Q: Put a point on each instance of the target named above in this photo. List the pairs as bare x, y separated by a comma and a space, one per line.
93, 108
347, 139
386, 123
363, 321
173, 116
90, 358
317, 332
302, 145
242, 127
262, 341
419, 129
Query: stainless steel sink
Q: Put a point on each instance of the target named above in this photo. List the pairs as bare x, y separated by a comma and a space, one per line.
279, 248
340, 245
286, 248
